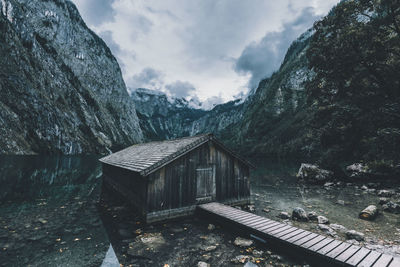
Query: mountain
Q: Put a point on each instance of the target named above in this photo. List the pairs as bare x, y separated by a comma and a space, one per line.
61, 89
162, 117
274, 113
336, 97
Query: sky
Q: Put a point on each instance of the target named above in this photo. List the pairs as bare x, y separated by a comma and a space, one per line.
209, 50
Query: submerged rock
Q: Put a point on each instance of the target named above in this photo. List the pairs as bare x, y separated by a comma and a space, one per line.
284, 215
383, 200
352, 234
385, 193
299, 214
240, 259
391, 207
313, 174
369, 213
243, 242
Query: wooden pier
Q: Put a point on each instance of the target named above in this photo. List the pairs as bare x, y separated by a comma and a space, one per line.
319, 248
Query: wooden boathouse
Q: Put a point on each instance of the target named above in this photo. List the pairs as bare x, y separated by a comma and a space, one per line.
167, 179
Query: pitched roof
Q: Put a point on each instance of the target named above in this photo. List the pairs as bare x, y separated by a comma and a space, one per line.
148, 157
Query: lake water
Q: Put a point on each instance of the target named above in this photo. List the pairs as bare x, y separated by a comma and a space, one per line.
51, 214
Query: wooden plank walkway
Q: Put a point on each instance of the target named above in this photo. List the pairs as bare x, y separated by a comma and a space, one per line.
324, 248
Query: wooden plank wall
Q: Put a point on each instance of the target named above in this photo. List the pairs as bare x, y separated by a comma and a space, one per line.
132, 186
174, 186
232, 176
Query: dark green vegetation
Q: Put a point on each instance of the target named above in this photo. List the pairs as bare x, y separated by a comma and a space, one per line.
355, 95
350, 108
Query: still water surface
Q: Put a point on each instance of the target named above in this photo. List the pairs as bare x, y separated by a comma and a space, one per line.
50, 216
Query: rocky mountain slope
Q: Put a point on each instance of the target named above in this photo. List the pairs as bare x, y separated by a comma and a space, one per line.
61, 89
346, 109
163, 118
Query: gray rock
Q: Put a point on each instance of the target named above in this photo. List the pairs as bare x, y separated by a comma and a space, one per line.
391, 207
313, 174
385, 193
357, 170
340, 202
284, 215
203, 264
383, 200
326, 229
257, 253
299, 214
250, 264
312, 215
322, 220
338, 228
240, 259
352, 234
211, 227
243, 242
329, 184
209, 248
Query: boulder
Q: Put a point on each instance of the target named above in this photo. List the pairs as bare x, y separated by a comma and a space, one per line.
299, 214
313, 174
391, 207
243, 242
352, 234
312, 216
369, 213
385, 193
338, 228
284, 215
322, 220
358, 170
326, 229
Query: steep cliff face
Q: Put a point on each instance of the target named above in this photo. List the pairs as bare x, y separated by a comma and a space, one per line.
61, 89
163, 118
274, 114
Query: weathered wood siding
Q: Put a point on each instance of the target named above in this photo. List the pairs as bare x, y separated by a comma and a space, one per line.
174, 185
130, 185
232, 176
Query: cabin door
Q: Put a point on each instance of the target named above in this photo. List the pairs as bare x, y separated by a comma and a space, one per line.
205, 181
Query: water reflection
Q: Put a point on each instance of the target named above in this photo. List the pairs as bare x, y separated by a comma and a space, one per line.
48, 212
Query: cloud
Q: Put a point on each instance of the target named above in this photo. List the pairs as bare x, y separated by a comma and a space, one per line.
262, 58
211, 102
96, 12
198, 41
180, 89
148, 78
